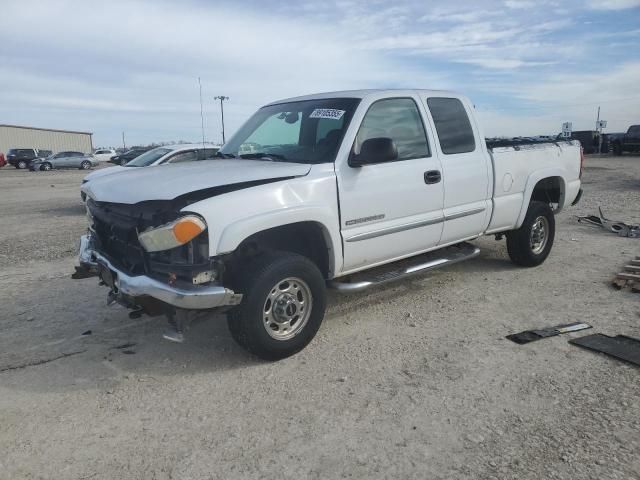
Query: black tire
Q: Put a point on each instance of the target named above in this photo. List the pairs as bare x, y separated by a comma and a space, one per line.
86, 165
46, 167
519, 242
259, 278
21, 165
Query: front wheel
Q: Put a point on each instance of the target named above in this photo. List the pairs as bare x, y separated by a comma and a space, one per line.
46, 167
86, 165
21, 165
530, 245
283, 305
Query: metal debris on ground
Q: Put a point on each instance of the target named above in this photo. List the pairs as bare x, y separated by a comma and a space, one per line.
621, 228
533, 335
621, 347
630, 277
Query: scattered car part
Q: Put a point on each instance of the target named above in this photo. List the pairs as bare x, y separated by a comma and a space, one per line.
621, 228
532, 335
621, 347
630, 277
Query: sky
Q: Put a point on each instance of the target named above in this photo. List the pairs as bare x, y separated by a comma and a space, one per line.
133, 66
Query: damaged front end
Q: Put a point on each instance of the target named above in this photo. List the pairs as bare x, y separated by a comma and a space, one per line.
153, 258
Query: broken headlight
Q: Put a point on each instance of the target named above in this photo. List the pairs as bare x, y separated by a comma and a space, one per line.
173, 234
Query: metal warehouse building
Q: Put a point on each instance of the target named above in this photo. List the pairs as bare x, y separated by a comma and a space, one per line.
15, 136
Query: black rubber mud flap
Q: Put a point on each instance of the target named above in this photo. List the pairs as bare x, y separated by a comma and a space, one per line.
533, 335
621, 347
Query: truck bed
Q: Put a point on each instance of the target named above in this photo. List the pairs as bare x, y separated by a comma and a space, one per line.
513, 162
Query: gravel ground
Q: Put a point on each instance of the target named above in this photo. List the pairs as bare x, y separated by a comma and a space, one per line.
414, 380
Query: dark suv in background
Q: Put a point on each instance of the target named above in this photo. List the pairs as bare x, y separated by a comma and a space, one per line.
626, 142
129, 155
22, 157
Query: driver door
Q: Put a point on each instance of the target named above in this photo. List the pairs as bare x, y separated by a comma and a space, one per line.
393, 209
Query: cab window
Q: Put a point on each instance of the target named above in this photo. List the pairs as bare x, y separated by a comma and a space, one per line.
398, 119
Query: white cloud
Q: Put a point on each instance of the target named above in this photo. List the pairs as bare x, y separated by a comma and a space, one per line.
134, 65
569, 97
519, 4
613, 4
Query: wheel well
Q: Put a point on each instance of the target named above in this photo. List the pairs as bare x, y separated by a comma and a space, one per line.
549, 190
304, 238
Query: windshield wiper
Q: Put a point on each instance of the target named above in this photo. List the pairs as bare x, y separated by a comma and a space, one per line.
266, 155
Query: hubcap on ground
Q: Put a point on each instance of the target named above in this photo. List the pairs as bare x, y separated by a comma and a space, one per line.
287, 308
539, 234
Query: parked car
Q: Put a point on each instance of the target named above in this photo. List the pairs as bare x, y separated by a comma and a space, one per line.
348, 189
129, 155
162, 156
22, 157
63, 160
625, 142
3, 160
104, 154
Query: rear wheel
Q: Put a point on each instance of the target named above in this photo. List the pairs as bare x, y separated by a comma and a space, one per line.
85, 165
530, 245
282, 307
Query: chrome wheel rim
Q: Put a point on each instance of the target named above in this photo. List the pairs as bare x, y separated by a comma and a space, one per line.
85, 165
287, 308
46, 167
539, 234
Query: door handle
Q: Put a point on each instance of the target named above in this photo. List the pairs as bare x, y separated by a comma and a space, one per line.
432, 176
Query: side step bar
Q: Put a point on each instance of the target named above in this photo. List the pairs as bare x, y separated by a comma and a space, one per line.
420, 264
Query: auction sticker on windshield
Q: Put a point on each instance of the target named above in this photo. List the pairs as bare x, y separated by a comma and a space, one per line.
327, 113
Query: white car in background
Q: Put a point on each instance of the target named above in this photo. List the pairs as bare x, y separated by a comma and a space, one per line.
104, 154
165, 155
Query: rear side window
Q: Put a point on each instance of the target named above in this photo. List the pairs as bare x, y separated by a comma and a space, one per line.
188, 156
452, 124
207, 153
635, 130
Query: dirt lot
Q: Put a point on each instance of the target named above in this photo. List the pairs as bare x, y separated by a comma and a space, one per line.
414, 380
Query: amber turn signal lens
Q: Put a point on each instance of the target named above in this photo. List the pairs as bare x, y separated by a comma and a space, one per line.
188, 228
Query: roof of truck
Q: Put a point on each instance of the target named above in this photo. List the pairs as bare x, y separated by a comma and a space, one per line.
365, 93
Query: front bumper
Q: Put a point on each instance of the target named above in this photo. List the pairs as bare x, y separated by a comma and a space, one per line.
190, 297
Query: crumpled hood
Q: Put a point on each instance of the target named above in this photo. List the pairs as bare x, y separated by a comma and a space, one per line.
166, 182
104, 171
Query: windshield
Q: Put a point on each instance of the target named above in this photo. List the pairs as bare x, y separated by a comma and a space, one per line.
148, 158
309, 131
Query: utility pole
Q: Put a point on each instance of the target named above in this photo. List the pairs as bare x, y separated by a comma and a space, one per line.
124, 145
201, 112
222, 98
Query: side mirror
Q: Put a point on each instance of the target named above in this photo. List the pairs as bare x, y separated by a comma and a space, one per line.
375, 150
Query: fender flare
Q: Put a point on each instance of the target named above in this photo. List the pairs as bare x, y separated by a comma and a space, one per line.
533, 180
234, 234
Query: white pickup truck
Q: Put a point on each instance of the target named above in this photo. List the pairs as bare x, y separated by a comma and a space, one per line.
344, 190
